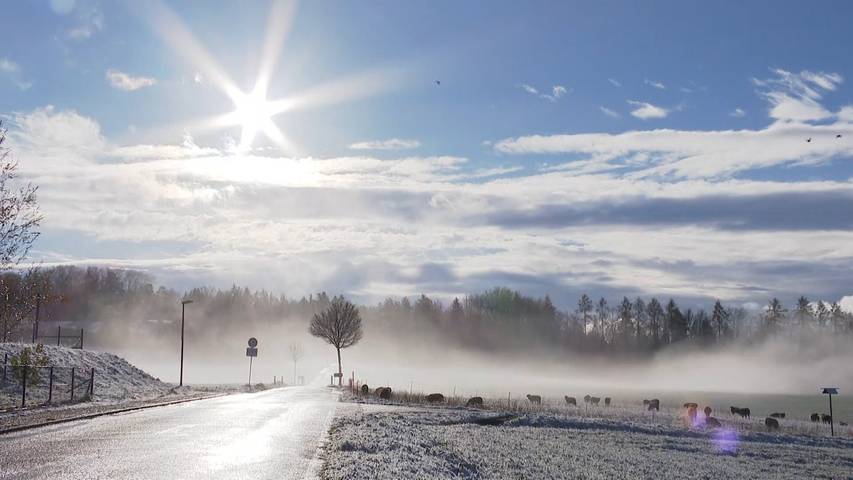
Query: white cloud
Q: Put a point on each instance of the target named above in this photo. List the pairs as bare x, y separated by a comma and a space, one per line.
198, 78
609, 112
389, 144
557, 92
846, 114
794, 97
614, 82
846, 303
128, 83
9, 66
13, 71
646, 111
655, 84
738, 113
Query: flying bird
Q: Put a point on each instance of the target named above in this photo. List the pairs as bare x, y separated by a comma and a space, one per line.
438, 82
838, 136
809, 139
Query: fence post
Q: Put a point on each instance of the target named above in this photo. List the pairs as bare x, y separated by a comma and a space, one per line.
24, 387
50, 387
5, 361
58, 335
81, 339
72, 384
92, 384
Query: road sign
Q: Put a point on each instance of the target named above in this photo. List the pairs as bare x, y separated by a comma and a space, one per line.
830, 391
251, 352
253, 342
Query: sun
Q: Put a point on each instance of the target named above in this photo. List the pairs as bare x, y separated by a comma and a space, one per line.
254, 114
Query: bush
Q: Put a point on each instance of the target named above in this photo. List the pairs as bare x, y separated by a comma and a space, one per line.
32, 358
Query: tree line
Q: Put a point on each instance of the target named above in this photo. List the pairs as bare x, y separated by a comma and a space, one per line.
127, 302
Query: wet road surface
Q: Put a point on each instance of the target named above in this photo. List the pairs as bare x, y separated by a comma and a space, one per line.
272, 434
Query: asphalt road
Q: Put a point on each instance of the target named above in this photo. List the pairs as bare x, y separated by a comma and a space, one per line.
272, 434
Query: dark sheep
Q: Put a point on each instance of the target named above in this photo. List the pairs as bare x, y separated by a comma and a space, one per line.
843, 424
712, 422
708, 411
534, 399
383, 392
743, 412
771, 423
586, 398
645, 401
474, 402
606, 401
826, 418
571, 400
435, 398
815, 417
778, 414
654, 404
365, 390
594, 400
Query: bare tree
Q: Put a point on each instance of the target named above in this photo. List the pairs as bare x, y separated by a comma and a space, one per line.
296, 353
19, 211
339, 325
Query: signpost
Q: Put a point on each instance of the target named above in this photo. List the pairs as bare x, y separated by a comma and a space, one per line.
831, 391
251, 352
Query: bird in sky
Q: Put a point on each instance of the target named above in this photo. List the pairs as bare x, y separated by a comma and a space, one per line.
438, 82
838, 136
809, 139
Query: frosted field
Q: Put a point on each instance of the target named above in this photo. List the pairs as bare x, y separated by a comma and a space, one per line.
445, 443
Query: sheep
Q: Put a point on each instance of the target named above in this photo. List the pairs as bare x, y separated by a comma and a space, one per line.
435, 398
692, 413
691, 404
771, 423
712, 422
826, 418
843, 424
606, 401
743, 412
594, 400
778, 414
474, 402
654, 404
571, 400
707, 411
365, 390
586, 398
815, 417
383, 392
534, 399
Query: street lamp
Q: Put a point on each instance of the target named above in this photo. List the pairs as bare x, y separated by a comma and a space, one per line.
183, 305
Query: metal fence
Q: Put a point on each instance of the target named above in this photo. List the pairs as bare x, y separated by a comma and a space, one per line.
27, 385
60, 338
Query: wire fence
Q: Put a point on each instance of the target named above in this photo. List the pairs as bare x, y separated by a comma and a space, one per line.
27, 385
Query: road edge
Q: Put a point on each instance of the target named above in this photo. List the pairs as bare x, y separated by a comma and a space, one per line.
20, 428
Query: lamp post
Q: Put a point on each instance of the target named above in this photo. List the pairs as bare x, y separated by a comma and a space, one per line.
183, 306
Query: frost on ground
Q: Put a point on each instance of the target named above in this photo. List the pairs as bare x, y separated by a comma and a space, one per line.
446, 443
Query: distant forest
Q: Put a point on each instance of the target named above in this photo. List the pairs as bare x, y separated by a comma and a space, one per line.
120, 302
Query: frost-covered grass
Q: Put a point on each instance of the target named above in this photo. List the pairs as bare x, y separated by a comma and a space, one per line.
446, 443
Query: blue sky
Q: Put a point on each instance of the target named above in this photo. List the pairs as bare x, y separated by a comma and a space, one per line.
608, 147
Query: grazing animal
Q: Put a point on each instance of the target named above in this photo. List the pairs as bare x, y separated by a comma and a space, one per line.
778, 414
365, 390
594, 400
474, 402
645, 401
534, 399
571, 401
743, 412
771, 423
815, 417
712, 422
843, 424
692, 412
654, 404
586, 398
826, 418
691, 404
606, 401
707, 411
383, 392
435, 398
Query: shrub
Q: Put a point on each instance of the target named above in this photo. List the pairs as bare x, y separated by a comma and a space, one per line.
33, 359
